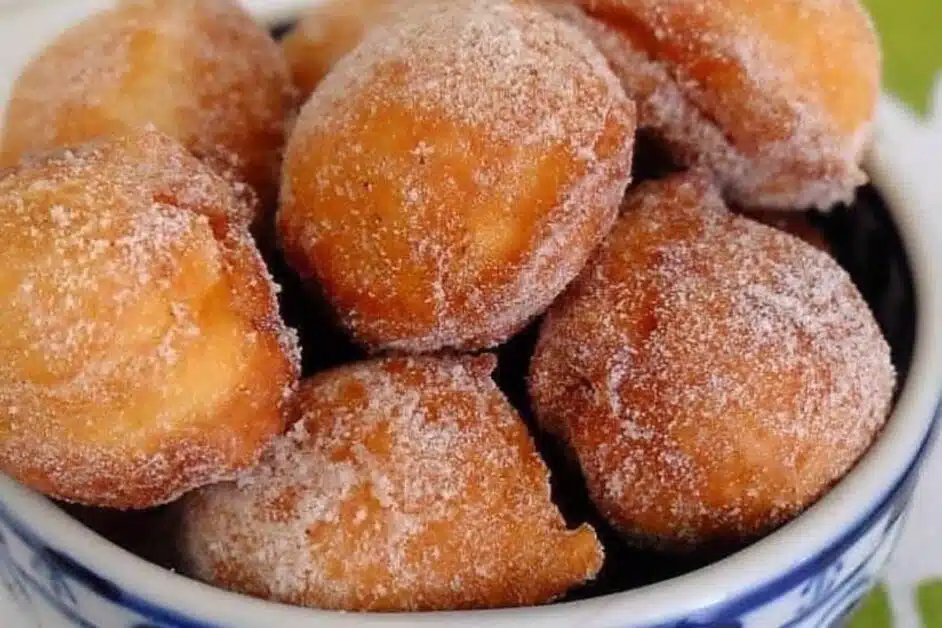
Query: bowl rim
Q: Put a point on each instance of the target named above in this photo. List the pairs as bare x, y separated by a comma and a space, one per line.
786, 554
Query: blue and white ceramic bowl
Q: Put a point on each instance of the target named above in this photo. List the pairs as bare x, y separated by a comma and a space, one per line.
56, 572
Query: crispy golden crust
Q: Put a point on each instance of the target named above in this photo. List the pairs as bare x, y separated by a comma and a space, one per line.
202, 71
712, 375
434, 214
407, 484
776, 97
329, 31
141, 350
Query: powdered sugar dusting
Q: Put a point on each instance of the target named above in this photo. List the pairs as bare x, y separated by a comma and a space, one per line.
406, 484
130, 263
714, 376
484, 202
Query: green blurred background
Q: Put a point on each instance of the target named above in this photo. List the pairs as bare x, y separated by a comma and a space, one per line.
911, 33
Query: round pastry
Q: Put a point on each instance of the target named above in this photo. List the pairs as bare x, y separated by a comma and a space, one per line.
453, 173
775, 96
713, 376
202, 71
326, 33
141, 350
406, 484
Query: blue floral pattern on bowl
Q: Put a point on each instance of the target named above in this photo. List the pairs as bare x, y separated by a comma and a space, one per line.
51, 589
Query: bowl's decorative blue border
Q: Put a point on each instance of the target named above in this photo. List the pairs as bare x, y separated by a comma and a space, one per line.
819, 575
827, 587
59, 572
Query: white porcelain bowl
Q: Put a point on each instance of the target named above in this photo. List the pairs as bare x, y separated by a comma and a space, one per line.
56, 572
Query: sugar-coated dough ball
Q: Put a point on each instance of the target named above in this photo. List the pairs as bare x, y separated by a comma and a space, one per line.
713, 376
406, 484
453, 173
327, 32
202, 71
777, 97
141, 349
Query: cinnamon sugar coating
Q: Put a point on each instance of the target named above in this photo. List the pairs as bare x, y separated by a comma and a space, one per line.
776, 97
327, 32
202, 71
713, 376
406, 484
451, 175
141, 349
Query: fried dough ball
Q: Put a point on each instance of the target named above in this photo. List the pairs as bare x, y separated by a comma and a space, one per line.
202, 71
327, 32
141, 350
406, 484
777, 97
713, 376
451, 175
